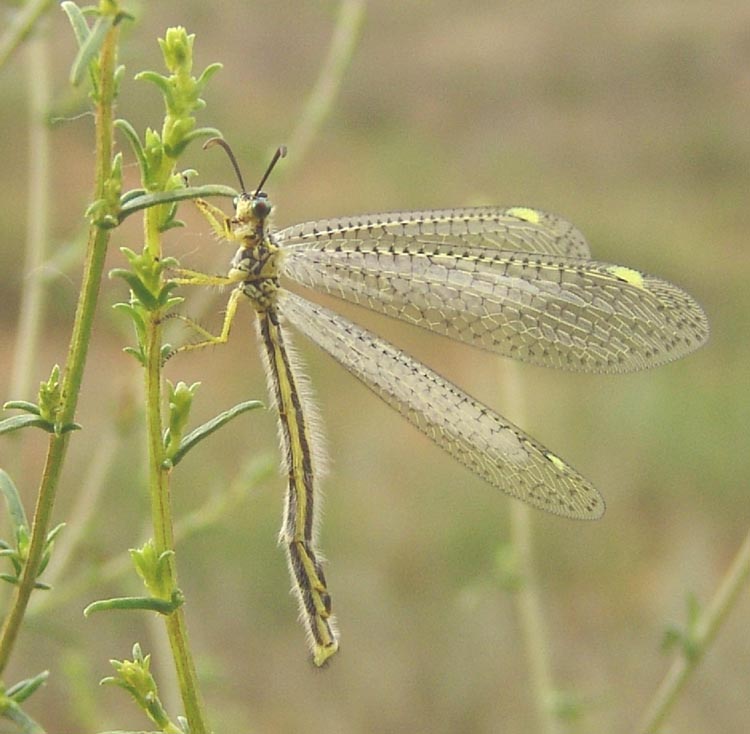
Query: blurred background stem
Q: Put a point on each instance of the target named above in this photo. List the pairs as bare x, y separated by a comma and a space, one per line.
700, 638
31, 307
77, 353
318, 105
33, 286
21, 24
526, 596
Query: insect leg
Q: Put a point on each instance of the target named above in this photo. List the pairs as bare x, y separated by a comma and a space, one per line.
219, 221
208, 337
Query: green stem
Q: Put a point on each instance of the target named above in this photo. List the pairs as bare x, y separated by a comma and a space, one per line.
31, 308
161, 509
320, 101
161, 515
21, 24
702, 636
530, 618
78, 351
528, 606
85, 507
218, 506
32, 299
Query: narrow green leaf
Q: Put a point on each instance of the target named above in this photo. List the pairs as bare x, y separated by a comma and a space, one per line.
52, 534
208, 72
22, 421
137, 353
90, 48
25, 724
123, 15
140, 291
77, 20
165, 197
164, 298
205, 430
144, 603
132, 194
20, 691
135, 143
133, 313
161, 81
13, 501
22, 405
117, 77
201, 132
172, 224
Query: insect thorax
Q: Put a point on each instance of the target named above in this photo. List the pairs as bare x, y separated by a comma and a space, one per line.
257, 262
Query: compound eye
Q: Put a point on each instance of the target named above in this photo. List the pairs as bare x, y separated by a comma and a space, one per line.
261, 208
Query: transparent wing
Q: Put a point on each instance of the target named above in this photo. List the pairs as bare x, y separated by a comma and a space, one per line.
515, 228
547, 309
482, 440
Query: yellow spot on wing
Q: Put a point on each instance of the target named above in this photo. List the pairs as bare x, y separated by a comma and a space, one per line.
557, 462
522, 212
627, 274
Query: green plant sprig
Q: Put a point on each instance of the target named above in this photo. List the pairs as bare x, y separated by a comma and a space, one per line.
135, 677
162, 185
62, 399
12, 698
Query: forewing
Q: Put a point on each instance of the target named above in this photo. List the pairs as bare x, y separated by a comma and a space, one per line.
515, 228
479, 438
565, 312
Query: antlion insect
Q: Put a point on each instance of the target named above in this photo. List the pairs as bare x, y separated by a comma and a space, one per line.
516, 281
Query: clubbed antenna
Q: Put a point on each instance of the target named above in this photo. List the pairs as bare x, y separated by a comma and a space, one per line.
280, 153
223, 143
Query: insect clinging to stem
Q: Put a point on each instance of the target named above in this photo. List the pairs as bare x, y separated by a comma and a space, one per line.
517, 281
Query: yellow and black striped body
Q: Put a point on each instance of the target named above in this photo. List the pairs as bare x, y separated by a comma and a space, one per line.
300, 454
255, 268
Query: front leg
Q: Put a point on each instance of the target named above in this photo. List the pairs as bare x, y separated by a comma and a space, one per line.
220, 223
209, 338
195, 277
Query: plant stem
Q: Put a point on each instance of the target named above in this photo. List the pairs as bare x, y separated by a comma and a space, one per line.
319, 102
32, 298
21, 24
702, 636
84, 509
526, 597
161, 509
161, 516
530, 618
77, 353
31, 307
217, 507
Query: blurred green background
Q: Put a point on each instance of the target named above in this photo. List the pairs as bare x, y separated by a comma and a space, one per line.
630, 119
